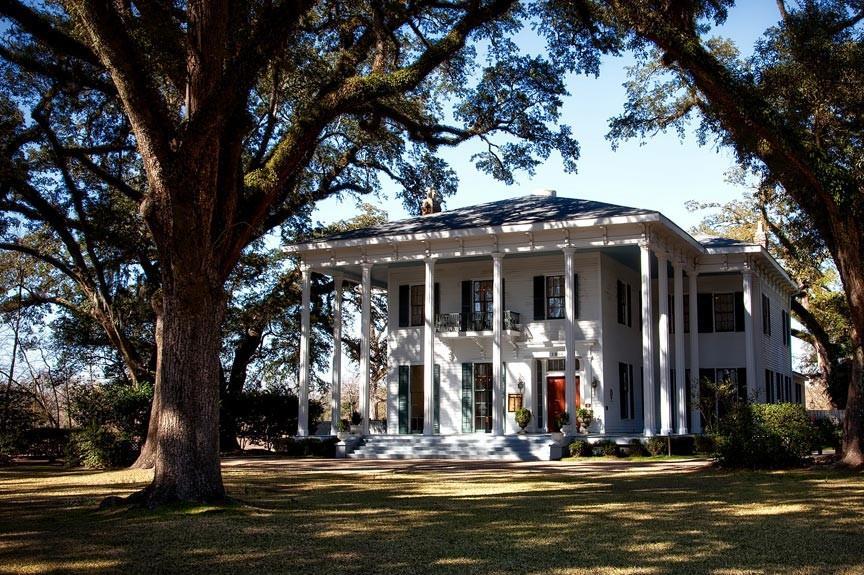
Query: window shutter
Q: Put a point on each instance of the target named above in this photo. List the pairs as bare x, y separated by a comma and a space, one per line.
466, 305
539, 298
769, 387
467, 397
575, 296
623, 390
436, 397
630, 307
621, 303
538, 402
739, 311
437, 306
705, 312
403, 398
404, 305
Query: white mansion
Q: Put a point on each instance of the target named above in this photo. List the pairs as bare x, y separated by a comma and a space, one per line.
552, 303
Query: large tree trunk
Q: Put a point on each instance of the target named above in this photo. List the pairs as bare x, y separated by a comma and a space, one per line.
187, 465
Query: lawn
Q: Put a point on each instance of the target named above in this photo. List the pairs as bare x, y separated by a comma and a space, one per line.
316, 516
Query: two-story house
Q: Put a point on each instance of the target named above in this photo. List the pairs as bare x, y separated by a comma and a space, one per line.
552, 303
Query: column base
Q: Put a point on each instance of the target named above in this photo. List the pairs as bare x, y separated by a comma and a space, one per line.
666, 432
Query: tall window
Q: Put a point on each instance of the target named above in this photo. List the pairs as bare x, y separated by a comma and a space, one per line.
785, 328
724, 312
766, 315
482, 305
418, 304
554, 297
625, 301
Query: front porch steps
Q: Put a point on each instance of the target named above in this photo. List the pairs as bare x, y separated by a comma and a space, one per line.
472, 447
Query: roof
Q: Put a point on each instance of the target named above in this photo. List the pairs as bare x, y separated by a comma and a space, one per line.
513, 211
718, 242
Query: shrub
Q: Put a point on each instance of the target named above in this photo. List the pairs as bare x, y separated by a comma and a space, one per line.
766, 435
584, 417
656, 446
306, 446
48, 442
683, 445
97, 447
562, 419
705, 444
264, 415
636, 447
523, 417
606, 447
580, 448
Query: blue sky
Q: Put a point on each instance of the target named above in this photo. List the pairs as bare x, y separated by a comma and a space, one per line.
661, 173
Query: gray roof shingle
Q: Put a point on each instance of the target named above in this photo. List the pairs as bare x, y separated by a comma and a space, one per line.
513, 211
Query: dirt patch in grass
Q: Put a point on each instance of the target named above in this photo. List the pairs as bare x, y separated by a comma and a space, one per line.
319, 516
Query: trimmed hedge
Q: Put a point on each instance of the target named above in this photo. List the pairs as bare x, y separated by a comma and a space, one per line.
606, 447
306, 446
637, 448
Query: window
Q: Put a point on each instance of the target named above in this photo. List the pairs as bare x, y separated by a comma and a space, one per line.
766, 315
778, 380
554, 365
724, 312
554, 297
626, 391
786, 331
418, 303
798, 395
481, 309
625, 303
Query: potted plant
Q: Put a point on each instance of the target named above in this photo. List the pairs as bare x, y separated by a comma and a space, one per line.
563, 422
523, 418
584, 418
356, 420
342, 429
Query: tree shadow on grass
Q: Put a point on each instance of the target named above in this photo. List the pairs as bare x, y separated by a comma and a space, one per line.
480, 519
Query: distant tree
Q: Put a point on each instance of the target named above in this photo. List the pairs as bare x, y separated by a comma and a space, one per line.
791, 113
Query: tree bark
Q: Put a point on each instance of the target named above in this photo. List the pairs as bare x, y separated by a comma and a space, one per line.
186, 405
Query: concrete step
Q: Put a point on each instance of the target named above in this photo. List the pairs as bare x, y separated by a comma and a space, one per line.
476, 447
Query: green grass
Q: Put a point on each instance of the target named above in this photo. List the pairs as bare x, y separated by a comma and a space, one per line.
322, 517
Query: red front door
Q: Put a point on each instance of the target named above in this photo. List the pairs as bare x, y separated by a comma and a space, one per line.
555, 405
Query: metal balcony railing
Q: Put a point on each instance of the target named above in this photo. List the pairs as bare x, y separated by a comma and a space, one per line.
476, 321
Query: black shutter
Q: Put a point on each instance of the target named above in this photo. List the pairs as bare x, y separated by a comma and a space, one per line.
705, 312
688, 398
437, 306
623, 390
630, 307
622, 303
403, 398
742, 384
466, 305
538, 402
769, 387
632, 393
467, 397
739, 311
575, 296
539, 298
404, 305
436, 397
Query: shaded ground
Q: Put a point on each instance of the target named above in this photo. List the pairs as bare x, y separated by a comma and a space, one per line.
317, 516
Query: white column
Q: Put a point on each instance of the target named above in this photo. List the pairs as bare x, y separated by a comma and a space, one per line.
497, 328
693, 288
749, 345
679, 347
571, 394
303, 396
365, 328
336, 378
647, 342
663, 330
429, 347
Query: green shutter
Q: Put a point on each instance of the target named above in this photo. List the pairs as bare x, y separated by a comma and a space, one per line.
575, 296
467, 397
403, 398
436, 399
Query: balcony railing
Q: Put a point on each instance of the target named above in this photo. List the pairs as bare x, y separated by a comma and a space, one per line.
453, 322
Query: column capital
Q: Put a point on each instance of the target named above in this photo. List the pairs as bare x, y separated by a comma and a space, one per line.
430, 259
645, 243
497, 255
568, 250
366, 265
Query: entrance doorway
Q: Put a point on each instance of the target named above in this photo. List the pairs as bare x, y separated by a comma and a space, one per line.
555, 401
483, 397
